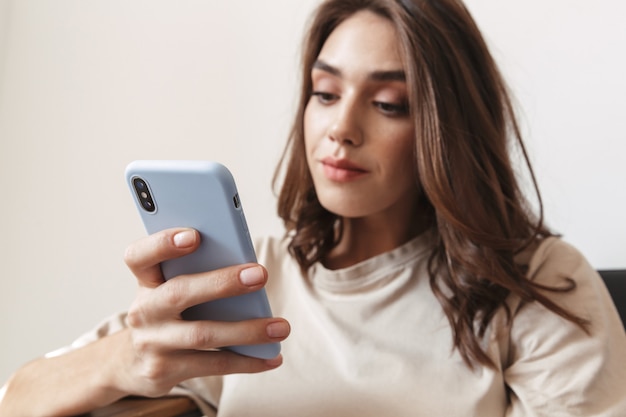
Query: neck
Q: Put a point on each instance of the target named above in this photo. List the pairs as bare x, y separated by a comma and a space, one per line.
364, 238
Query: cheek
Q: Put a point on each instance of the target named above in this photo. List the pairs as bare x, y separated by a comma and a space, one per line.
313, 128
401, 156
406, 153
400, 141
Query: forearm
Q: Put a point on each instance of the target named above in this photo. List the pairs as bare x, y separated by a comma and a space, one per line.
69, 384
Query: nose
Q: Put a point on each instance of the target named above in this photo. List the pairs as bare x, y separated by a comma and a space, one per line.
347, 125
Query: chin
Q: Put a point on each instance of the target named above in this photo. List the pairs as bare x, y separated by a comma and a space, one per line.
343, 206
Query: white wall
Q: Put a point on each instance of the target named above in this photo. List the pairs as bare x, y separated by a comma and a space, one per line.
89, 85
566, 60
92, 85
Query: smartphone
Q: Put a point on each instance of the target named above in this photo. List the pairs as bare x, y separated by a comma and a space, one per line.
201, 195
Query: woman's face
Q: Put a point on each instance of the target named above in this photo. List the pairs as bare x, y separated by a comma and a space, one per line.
358, 134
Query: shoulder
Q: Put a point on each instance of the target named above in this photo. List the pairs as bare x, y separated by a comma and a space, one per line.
557, 264
564, 276
273, 253
283, 283
554, 364
271, 250
554, 258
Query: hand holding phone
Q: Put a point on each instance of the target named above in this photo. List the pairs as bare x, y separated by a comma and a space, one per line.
159, 349
202, 195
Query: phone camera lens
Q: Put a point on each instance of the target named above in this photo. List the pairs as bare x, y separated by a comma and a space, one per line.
143, 194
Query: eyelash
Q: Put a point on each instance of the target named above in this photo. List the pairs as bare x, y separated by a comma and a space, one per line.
323, 97
393, 109
389, 109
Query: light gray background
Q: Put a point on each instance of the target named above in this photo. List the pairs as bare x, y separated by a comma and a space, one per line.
87, 86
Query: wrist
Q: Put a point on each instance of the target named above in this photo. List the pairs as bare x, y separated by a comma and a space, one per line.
112, 380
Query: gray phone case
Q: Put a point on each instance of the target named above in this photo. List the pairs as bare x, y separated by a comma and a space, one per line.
202, 195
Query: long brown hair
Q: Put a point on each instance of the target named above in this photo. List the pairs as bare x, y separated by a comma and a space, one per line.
465, 132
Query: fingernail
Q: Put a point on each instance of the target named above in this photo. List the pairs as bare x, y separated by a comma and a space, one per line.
252, 276
184, 239
278, 330
277, 361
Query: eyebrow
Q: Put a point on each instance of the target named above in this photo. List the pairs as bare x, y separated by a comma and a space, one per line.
393, 75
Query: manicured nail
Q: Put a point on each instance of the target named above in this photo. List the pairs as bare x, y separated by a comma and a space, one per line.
252, 276
274, 362
278, 330
185, 239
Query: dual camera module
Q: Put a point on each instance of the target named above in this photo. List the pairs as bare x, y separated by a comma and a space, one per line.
143, 193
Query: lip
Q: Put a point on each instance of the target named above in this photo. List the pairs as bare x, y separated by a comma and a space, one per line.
341, 170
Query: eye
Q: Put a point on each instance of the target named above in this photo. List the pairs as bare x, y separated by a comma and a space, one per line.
324, 97
392, 109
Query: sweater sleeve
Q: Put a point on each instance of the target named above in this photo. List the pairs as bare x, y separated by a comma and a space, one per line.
556, 368
109, 326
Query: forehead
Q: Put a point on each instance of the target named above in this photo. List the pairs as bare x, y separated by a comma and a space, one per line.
364, 41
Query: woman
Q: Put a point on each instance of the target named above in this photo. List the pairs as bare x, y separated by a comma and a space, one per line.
414, 277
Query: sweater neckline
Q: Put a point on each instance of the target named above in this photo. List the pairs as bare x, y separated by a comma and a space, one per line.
370, 272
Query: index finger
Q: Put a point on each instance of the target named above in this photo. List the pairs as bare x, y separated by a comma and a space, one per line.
144, 256
185, 291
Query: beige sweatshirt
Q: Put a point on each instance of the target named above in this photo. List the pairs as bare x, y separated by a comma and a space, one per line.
372, 340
